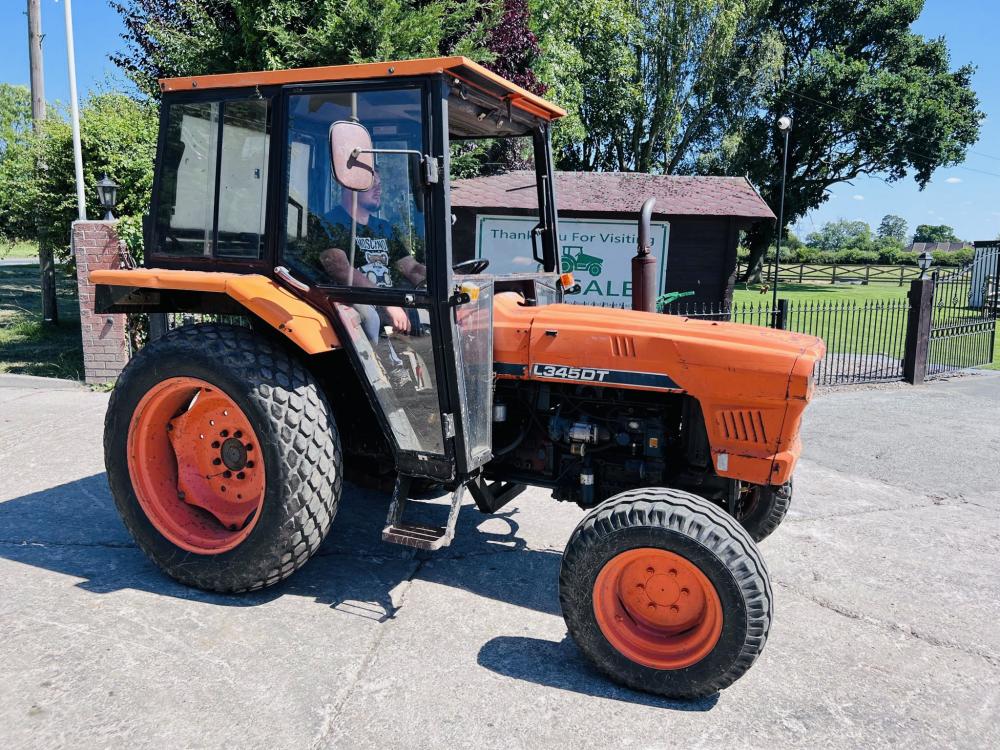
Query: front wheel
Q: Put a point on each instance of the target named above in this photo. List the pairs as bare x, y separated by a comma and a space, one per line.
762, 508
665, 593
223, 458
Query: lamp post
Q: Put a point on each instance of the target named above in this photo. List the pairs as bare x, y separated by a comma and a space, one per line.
107, 192
785, 126
924, 260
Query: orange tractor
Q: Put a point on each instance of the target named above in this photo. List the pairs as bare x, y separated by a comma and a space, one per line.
314, 205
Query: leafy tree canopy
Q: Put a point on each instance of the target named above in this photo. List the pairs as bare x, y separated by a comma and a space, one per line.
15, 113
867, 96
190, 37
118, 135
840, 235
934, 233
892, 227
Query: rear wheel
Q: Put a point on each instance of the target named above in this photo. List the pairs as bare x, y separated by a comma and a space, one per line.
223, 458
665, 593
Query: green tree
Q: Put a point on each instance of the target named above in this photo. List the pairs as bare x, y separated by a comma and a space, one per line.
118, 136
640, 76
167, 38
841, 235
867, 96
934, 233
893, 227
15, 113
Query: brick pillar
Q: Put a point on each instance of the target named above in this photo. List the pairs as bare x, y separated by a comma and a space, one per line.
105, 351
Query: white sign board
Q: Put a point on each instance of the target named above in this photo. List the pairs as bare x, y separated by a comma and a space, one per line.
598, 252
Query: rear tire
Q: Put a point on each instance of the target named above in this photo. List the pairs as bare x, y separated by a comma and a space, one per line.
764, 509
708, 561
297, 451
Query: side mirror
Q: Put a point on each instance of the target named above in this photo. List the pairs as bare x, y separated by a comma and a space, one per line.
351, 155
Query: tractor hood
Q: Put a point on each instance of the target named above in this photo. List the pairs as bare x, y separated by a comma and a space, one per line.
752, 382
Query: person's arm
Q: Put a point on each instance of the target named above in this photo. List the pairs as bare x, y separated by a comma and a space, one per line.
336, 264
412, 269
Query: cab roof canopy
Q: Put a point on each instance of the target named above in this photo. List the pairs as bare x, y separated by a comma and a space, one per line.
469, 81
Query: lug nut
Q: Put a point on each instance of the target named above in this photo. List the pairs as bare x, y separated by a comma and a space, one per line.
224, 433
684, 592
673, 572
216, 461
674, 608
249, 447
216, 444
227, 474
238, 434
640, 585
651, 605
180, 495
650, 571
241, 475
249, 464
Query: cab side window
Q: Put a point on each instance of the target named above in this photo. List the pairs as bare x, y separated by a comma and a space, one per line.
213, 185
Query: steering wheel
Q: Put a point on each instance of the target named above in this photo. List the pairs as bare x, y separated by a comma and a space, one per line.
474, 266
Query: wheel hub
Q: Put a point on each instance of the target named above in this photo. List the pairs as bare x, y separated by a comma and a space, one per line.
657, 608
233, 454
193, 466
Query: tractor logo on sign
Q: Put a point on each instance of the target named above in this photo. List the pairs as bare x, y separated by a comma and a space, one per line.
575, 260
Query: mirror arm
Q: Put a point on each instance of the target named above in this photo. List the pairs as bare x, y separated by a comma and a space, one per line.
429, 163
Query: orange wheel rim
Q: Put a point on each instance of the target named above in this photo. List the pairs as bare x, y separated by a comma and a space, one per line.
657, 608
195, 464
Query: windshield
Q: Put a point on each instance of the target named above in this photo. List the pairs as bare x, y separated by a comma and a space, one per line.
336, 236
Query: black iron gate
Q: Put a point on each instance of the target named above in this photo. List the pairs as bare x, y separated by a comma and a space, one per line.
964, 314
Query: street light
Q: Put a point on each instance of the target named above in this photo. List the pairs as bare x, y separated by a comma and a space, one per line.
924, 260
785, 126
107, 191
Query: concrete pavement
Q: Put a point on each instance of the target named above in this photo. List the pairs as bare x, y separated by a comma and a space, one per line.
885, 575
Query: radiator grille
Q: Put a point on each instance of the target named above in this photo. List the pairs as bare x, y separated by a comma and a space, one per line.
744, 425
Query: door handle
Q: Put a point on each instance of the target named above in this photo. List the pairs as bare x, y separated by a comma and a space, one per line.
282, 273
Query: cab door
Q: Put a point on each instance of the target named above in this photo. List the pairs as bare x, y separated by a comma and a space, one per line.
380, 256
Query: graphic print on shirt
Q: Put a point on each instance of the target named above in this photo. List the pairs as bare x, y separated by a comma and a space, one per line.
376, 253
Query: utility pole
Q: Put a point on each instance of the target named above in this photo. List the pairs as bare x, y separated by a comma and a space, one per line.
50, 311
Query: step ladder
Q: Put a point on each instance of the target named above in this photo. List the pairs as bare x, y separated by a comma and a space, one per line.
420, 536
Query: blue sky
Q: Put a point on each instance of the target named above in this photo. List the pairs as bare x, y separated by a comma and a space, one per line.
963, 197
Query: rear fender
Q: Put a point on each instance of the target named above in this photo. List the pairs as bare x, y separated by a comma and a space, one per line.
158, 290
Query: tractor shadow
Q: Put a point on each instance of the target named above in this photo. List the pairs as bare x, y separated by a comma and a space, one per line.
73, 529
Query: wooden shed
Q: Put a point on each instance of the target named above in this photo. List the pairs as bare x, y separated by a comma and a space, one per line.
706, 215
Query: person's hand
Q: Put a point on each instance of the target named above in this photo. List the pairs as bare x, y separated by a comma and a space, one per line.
400, 320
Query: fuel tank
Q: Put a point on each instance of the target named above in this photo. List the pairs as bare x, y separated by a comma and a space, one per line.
752, 383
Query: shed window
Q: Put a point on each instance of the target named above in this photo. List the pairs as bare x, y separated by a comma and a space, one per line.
213, 187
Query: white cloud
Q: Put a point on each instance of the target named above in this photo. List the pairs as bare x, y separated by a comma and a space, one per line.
953, 180
858, 197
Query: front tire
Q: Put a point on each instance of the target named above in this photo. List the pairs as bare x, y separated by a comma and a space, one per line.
665, 593
763, 508
223, 458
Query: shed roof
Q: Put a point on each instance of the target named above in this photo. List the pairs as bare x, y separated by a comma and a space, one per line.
622, 192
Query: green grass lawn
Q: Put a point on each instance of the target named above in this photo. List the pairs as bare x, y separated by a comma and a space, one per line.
821, 292
27, 347
842, 338
18, 250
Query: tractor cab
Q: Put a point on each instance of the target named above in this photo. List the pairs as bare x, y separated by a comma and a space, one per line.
334, 183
